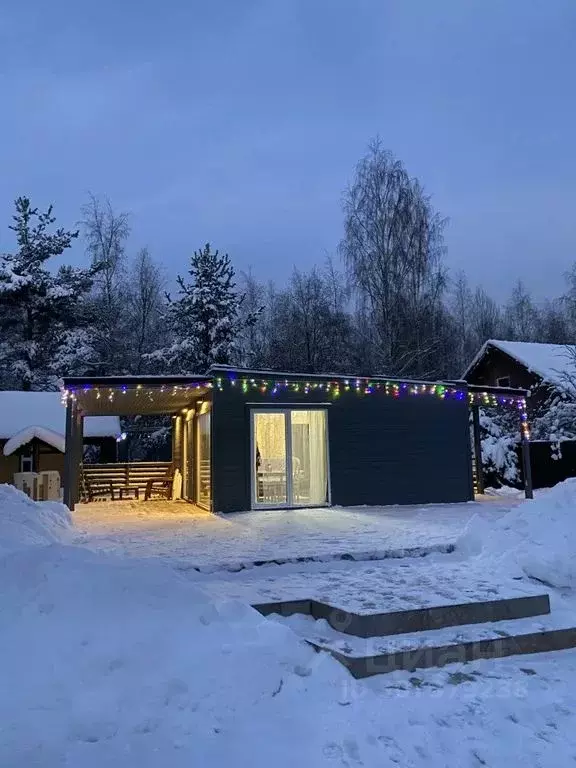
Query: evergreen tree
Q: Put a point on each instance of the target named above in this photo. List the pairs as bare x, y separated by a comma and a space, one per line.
41, 313
205, 318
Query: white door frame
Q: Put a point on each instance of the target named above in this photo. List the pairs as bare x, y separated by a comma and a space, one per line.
287, 413
204, 411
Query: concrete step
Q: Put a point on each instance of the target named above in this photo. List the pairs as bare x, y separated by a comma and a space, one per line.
365, 657
456, 653
415, 620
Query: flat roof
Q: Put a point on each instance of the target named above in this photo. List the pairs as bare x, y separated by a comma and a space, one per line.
170, 394
128, 381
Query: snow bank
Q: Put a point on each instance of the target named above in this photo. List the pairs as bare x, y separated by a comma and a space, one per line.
537, 538
25, 523
118, 662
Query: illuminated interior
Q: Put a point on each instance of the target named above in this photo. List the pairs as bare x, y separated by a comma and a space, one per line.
290, 457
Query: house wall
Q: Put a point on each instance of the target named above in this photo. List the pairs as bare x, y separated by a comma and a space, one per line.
51, 461
47, 460
8, 465
495, 364
382, 450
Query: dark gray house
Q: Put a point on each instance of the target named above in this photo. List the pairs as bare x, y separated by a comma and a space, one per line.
246, 439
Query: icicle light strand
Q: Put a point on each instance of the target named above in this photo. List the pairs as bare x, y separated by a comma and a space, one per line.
333, 388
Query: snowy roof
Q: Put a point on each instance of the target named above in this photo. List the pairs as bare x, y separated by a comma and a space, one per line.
551, 362
29, 433
44, 410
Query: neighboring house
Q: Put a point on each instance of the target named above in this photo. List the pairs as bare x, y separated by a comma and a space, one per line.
548, 372
33, 429
525, 365
246, 439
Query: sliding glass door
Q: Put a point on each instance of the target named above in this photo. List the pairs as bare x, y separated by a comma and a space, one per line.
289, 457
203, 461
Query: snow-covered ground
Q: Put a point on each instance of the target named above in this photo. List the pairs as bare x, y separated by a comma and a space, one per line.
132, 662
178, 531
376, 587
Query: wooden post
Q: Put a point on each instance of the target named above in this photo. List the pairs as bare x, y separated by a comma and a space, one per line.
79, 451
527, 469
35, 455
177, 428
477, 449
68, 480
526, 465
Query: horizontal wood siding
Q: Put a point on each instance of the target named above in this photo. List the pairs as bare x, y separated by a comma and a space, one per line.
132, 474
382, 450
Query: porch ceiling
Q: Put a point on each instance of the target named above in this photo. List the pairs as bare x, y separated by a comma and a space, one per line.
131, 396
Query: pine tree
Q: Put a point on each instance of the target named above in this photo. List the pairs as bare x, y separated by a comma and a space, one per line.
41, 313
205, 318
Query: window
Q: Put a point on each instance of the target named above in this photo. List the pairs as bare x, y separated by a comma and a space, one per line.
26, 463
503, 381
289, 457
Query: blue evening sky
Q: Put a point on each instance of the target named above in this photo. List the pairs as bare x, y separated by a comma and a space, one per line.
240, 122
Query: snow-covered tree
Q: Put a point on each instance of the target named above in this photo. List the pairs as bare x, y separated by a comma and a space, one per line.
500, 437
41, 312
204, 319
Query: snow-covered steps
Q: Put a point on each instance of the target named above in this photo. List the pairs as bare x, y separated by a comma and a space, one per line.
369, 588
365, 657
413, 620
439, 655
361, 556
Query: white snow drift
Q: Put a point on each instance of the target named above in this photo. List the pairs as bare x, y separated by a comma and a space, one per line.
25, 523
537, 538
124, 663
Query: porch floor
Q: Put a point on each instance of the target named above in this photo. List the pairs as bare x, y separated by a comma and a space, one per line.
190, 537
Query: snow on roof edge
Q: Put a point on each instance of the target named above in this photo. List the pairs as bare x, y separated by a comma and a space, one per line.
29, 433
534, 356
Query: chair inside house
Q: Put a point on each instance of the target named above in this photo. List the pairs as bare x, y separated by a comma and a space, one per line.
160, 487
272, 479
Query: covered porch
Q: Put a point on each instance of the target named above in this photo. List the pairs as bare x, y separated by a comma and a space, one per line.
186, 476
514, 401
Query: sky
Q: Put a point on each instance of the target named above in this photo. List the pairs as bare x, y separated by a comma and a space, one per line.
240, 122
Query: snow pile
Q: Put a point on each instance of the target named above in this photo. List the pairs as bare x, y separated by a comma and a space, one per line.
25, 523
537, 538
116, 662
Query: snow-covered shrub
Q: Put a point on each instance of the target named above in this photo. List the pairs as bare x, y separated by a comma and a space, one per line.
537, 538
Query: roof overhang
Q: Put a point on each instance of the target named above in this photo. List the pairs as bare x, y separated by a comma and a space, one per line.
135, 395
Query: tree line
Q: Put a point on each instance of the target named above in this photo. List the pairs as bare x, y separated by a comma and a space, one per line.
384, 304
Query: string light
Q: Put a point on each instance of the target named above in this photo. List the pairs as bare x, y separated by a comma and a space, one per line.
332, 387
139, 390
361, 386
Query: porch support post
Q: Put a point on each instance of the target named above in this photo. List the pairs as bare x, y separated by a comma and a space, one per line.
69, 454
177, 437
526, 465
477, 449
527, 470
78, 452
